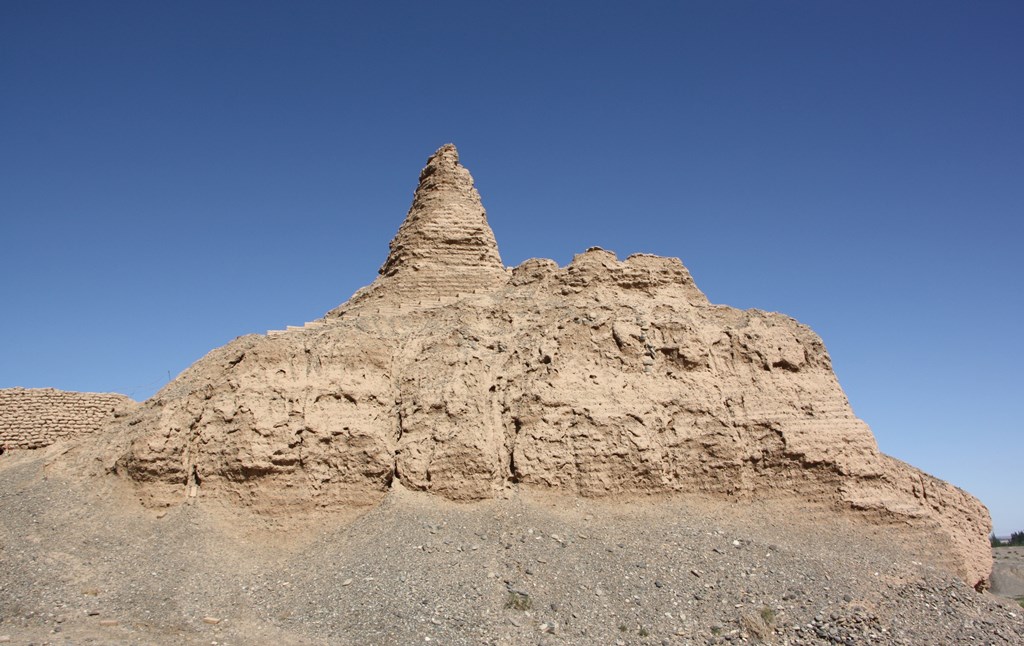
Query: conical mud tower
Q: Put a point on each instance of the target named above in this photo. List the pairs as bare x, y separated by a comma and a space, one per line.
445, 244
462, 378
445, 248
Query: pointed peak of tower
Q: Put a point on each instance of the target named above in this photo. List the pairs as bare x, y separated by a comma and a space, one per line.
445, 247
446, 155
443, 170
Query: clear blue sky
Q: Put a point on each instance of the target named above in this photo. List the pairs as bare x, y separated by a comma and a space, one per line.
176, 174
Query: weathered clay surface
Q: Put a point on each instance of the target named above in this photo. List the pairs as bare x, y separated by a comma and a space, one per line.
31, 418
462, 378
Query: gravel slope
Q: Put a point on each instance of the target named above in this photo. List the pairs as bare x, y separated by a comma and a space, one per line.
79, 555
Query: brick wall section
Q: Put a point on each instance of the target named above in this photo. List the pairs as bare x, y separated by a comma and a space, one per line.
31, 418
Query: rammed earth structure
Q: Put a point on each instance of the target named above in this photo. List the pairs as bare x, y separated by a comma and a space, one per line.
458, 376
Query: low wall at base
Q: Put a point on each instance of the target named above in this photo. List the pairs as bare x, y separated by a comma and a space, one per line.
31, 418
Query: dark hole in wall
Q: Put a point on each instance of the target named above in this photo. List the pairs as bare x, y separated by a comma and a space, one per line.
513, 476
513, 472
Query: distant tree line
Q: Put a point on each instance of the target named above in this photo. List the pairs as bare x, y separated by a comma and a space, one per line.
1016, 538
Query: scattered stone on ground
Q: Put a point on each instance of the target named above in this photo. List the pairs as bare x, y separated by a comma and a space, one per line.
76, 556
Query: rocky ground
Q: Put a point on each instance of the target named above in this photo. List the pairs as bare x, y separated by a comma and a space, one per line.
83, 562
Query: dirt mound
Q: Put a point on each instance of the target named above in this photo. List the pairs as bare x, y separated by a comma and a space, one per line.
456, 376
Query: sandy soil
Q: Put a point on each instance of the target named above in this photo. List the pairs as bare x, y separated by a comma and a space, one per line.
1008, 572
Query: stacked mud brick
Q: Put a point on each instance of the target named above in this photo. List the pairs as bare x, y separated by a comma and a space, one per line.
31, 418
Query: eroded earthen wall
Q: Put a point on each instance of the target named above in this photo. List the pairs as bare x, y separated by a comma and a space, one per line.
32, 418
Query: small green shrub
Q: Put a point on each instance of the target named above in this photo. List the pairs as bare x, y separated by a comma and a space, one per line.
643, 632
518, 601
768, 615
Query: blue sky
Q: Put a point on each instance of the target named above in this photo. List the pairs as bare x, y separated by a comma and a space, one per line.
174, 175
